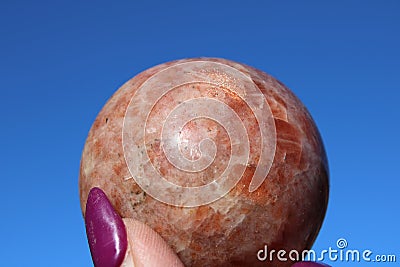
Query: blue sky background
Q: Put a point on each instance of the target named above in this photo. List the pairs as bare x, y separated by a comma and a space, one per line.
61, 60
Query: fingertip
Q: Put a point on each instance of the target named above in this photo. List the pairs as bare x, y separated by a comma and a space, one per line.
105, 231
147, 247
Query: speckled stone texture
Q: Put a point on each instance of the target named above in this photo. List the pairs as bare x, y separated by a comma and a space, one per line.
285, 212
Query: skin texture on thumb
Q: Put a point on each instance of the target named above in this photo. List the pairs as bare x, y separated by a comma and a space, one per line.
147, 248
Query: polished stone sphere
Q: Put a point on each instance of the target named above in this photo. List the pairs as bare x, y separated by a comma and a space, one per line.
219, 158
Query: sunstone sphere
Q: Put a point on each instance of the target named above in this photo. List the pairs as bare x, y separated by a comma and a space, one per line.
219, 158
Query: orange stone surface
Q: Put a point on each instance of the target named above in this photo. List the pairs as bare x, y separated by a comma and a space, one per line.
219, 158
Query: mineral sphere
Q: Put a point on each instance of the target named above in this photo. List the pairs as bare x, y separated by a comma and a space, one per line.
219, 158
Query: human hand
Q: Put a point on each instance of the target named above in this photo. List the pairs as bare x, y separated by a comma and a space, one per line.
124, 242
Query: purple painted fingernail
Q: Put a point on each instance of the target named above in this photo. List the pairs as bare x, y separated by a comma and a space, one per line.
105, 231
309, 264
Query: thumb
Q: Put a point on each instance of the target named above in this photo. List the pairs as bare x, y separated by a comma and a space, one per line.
147, 248
117, 242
